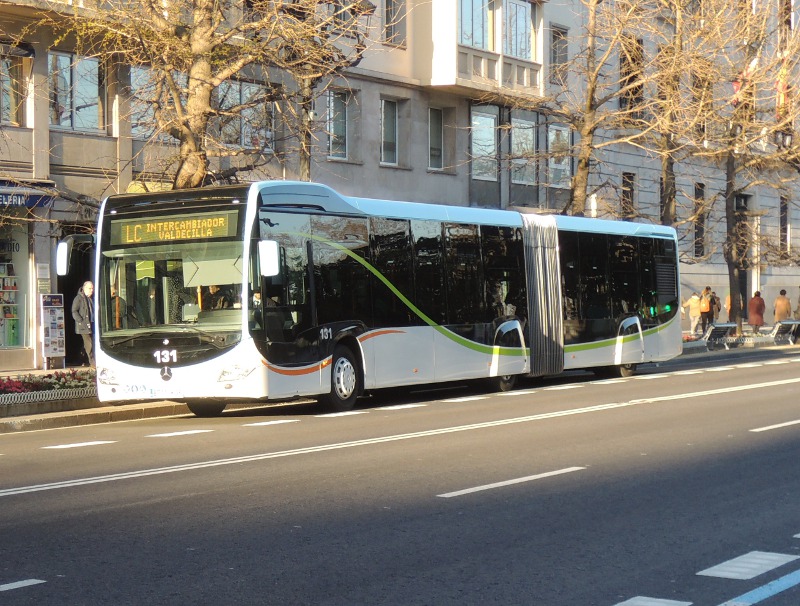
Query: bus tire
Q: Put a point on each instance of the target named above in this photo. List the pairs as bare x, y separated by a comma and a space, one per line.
206, 409
345, 380
505, 382
621, 370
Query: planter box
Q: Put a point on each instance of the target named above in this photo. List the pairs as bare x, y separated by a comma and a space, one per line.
39, 402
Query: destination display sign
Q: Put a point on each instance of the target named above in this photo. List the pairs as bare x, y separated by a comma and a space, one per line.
174, 228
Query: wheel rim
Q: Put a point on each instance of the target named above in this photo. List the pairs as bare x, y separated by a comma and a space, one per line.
344, 378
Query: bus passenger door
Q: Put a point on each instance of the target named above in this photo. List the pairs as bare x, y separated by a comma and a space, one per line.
629, 345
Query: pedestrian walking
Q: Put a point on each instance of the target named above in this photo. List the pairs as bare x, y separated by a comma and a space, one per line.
83, 313
755, 312
716, 307
706, 308
782, 307
693, 305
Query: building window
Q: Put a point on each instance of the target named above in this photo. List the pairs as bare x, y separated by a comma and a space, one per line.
518, 31
250, 121
435, 139
699, 220
785, 229
11, 87
631, 64
475, 23
628, 197
337, 124
741, 203
77, 92
484, 146
388, 132
523, 151
558, 56
394, 26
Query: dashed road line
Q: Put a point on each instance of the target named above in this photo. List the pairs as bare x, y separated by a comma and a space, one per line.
644, 601
749, 565
174, 434
21, 584
347, 413
719, 368
79, 445
464, 399
400, 407
778, 426
276, 422
549, 474
561, 387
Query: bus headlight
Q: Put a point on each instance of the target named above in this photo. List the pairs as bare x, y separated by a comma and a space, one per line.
106, 376
234, 373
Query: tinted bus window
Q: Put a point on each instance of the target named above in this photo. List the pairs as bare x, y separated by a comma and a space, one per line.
504, 271
464, 280
341, 282
390, 241
594, 276
625, 293
429, 293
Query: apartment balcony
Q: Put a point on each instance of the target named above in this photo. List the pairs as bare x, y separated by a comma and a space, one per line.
491, 72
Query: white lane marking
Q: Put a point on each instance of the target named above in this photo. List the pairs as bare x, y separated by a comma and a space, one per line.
548, 474
465, 399
561, 387
371, 441
609, 381
174, 434
797, 536
78, 445
794, 360
778, 426
401, 406
720, 368
21, 584
688, 372
750, 365
647, 377
522, 392
749, 565
347, 413
775, 362
264, 423
643, 601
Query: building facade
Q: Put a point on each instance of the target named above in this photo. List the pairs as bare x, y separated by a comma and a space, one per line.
431, 114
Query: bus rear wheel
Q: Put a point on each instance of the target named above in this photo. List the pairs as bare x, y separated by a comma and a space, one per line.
345, 380
206, 409
620, 370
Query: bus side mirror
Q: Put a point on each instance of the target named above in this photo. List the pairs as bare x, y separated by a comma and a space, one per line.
63, 254
269, 258
64, 250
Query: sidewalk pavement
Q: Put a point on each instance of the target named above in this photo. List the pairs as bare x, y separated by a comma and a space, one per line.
89, 411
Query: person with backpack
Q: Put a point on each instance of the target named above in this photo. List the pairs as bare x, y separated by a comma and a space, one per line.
707, 305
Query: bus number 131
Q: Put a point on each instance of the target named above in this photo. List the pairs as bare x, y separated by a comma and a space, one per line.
165, 356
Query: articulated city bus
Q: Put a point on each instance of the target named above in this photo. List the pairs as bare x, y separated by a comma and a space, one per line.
281, 289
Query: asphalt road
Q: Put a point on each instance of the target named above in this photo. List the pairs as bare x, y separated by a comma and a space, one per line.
679, 486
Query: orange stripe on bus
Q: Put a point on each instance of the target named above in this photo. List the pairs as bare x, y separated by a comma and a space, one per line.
379, 333
307, 370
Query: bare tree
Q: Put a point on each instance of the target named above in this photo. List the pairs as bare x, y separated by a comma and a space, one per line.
211, 75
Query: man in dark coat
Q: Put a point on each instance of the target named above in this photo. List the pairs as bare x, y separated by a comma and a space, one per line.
83, 313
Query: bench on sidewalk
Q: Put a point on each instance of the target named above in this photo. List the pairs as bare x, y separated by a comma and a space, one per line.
719, 334
784, 332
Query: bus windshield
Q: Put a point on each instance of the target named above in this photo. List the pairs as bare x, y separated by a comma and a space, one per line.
166, 284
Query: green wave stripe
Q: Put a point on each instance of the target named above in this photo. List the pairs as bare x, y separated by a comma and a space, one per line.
612, 342
464, 342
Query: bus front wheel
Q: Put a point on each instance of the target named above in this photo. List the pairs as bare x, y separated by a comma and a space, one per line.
345, 380
206, 409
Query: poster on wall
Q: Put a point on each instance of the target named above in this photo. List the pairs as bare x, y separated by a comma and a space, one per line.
558, 163
53, 339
